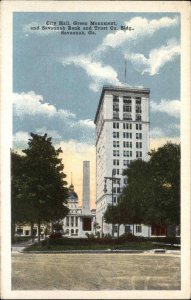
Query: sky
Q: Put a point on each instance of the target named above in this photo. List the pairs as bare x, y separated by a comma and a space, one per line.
58, 78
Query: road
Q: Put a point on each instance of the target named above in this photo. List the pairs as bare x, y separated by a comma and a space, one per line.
95, 271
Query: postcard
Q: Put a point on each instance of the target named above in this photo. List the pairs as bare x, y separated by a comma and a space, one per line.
95, 150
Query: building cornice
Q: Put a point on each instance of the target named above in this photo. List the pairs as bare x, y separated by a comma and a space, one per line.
133, 90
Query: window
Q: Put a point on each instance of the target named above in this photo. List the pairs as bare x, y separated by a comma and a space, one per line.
138, 154
115, 115
115, 99
125, 181
115, 125
127, 144
115, 171
67, 221
115, 134
138, 136
116, 190
127, 126
139, 145
115, 152
76, 231
138, 117
116, 144
138, 109
127, 153
127, 229
127, 135
76, 221
72, 221
125, 162
127, 116
115, 199
115, 228
138, 126
138, 229
138, 100
115, 103
19, 231
116, 162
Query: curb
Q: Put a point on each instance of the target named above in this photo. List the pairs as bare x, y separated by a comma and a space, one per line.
153, 251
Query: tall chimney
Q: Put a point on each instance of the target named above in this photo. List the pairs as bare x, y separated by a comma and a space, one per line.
86, 186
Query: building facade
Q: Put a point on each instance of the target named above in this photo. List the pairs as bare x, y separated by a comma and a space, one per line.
122, 135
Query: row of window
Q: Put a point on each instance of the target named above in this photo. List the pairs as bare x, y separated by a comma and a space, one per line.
127, 154
126, 116
127, 135
127, 99
127, 126
138, 229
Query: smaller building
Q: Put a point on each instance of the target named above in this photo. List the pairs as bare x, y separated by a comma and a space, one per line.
79, 222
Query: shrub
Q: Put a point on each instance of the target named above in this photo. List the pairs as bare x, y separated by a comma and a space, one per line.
56, 235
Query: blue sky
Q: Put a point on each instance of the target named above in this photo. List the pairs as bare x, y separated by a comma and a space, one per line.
57, 79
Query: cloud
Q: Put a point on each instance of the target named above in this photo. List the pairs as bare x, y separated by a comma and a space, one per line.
52, 133
95, 70
86, 123
142, 27
156, 132
170, 107
157, 58
31, 104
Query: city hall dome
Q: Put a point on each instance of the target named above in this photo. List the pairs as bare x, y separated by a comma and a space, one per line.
72, 196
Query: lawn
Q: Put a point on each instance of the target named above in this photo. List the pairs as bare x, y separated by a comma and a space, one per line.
90, 271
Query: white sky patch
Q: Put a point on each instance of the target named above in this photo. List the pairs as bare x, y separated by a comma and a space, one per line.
95, 70
170, 107
51, 133
157, 58
20, 140
86, 123
156, 132
31, 104
142, 28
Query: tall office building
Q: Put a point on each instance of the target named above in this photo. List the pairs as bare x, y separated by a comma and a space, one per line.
122, 135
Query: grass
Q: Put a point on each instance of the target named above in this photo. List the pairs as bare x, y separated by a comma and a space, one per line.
86, 271
61, 246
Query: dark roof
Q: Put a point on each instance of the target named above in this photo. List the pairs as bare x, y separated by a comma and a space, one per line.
72, 196
119, 89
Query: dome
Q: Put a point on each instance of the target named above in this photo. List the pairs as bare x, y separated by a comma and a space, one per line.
72, 196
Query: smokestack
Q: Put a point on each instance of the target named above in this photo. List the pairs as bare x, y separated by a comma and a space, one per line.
86, 186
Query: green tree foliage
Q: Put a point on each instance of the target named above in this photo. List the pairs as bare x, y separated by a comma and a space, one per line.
42, 183
152, 195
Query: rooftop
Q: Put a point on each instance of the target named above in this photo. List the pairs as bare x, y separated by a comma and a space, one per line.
120, 89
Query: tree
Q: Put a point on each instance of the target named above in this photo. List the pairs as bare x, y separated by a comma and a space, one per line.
153, 192
113, 215
44, 181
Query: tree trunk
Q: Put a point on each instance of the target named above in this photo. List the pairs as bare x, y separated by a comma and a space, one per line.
118, 230
38, 231
32, 235
133, 229
12, 231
